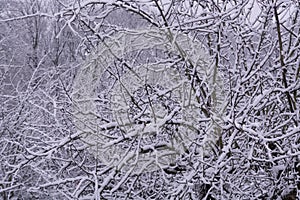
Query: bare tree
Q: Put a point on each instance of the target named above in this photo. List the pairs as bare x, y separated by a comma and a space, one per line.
150, 99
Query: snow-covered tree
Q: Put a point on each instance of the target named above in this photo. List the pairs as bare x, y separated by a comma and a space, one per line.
161, 99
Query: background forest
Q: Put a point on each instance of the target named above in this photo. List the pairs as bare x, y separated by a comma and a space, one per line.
149, 99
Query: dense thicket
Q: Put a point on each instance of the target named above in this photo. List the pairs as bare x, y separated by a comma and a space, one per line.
105, 99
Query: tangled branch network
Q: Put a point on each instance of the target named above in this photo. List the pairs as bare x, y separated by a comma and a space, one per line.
141, 98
